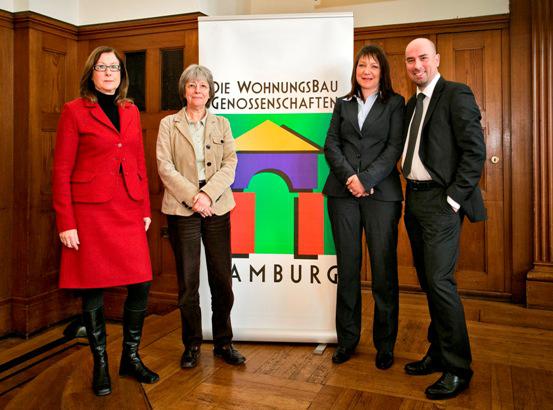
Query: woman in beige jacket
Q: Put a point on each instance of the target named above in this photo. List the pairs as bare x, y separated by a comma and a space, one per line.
196, 162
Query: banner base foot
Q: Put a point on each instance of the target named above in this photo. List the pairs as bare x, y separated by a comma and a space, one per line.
320, 349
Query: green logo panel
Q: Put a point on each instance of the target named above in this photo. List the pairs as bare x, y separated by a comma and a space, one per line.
274, 219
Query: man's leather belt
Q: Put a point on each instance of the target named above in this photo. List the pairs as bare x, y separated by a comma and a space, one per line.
421, 185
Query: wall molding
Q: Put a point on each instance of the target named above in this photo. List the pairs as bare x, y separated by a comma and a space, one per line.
55, 306
6, 19
36, 21
141, 26
499, 21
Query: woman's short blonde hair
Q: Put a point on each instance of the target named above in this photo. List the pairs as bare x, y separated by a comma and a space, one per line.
195, 72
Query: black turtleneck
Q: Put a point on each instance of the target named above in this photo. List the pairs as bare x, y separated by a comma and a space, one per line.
107, 103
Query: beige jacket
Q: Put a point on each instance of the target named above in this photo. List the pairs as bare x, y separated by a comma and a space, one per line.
176, 164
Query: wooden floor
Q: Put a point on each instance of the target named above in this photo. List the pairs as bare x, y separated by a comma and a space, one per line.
513, 369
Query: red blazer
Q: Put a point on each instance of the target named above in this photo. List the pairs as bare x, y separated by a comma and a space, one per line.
88, 155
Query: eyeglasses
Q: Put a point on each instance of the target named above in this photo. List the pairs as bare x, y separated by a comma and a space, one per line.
202, 86
102, 67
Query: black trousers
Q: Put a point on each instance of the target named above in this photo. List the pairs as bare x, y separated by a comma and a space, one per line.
434, 231
379, 219
137, 297
185, 234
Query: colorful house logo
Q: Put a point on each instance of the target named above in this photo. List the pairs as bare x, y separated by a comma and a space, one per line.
279, 150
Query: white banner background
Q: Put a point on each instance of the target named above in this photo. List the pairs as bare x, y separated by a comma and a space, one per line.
274, 48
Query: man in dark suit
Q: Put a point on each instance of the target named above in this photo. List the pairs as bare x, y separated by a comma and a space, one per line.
442, 160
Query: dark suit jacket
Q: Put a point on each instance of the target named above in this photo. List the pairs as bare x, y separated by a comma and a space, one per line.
452, 146
371, 152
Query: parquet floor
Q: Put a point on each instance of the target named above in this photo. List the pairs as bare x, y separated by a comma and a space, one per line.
513, 369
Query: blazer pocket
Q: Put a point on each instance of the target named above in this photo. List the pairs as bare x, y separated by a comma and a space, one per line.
217, 145
79, 177
218, 140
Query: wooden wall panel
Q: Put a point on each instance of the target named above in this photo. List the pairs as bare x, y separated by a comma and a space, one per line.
540, 279
520, 103
47, 53
6, 168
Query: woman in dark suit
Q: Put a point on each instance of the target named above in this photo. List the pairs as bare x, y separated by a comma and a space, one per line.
102, 205
363, 144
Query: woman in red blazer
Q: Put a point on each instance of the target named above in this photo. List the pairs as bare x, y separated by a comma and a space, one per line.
102, 206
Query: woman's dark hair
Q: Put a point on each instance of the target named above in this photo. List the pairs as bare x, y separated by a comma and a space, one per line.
385, 85
87, 88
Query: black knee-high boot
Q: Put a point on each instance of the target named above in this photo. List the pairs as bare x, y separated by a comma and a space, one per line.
95, 325
131, 364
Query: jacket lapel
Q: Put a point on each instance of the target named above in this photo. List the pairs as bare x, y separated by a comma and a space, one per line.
373, 115
125, 118
210, 123
436, 94
182, 126
99, 114
350, 112
409, 110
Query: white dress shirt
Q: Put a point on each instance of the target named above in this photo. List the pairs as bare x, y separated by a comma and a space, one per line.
418, 170
364, 107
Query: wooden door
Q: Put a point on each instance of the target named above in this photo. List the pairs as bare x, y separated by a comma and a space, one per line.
473, 58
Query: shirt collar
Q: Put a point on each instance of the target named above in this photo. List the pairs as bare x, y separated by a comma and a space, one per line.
360, 100
430, 87
371, 97
189, 121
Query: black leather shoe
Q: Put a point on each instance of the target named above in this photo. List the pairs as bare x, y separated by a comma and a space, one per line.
341, 355
229, 354
384, 360
422, 367
447, 386
190, 357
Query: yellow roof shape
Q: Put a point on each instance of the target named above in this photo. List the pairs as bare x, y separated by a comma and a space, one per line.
269, 137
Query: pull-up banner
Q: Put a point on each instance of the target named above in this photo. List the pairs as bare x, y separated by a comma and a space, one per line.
277, 78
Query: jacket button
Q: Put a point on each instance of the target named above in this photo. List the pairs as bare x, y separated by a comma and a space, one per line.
119, 145
358, 155
208, 164
207, 147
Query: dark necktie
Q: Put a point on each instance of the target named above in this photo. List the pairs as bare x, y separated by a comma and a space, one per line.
413, 132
